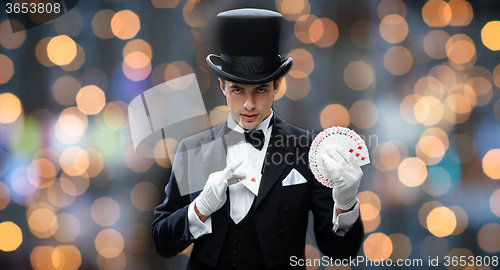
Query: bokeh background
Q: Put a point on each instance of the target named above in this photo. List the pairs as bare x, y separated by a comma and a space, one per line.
419, 79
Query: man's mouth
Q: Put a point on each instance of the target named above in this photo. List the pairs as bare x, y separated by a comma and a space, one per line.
249, 117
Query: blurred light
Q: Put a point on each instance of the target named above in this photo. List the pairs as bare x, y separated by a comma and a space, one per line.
8, 39
138, 74
388, 7
68, 229
105, 211
282, 89
116, 263
109, 243
11, 236
363, 114
435, 44
428, 110
43, 222
44, 168
386, 157
370, 205
377, 246
159, 151
461, 98
364, 33
401, 246
137, 238
175, 70
465, 146
436, 13
138, 45
372, 224
165, 3
334, 115
462, 219
218, 115
438, 181
412, 172
74, 185
292, 10
101, 24
297, 88
434, 247
302, 28
125, 24
461, 12
432, 146
42, 54
488, 238
137, 60
197, 13
407, 108
69, 25
74, 161
90, 100
490, 164
21, 183
303, 63
460, 49
57, 196
358, 75
145, 196
61, 50
323, 32
66, 258
398, 60
10, 107
65, 89
496, 75
7, 69
428, 86
41, 258
494, 202
441, 221
489, 35
393, 28
482, 88
4, 196
462, 253
445, 75
77, 61
135, 162
158, 74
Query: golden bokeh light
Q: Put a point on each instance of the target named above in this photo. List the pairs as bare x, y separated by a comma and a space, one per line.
10, 108
494, 202
43, 222
137, 163
388, 7
138, 45
116, 263
74, 161
4, 196
490, 164
96, 163
90, 100
435, 44
462, 219
105, 211
334, 115
175, 70
303, 63
386, 157
445, 75
364, 33
11, 236
460, 49
302, 27
407, 108
70, 130
461, 12
488, 238
71, 125
398, 60
41, 258
42, 54
363, 114
401, 246
101, 24
77, 61
368, 211
125, 24
441, 221
430, 149
482, 89
297, 88
61, 50
7, 69
165, 3
217, 115
197, 13
74, 185
393, 28
65, 89
66, 258
44, 168
358, 75
436, 13
171, 145
109, 243
490, 37
137, 74
137, 60
292, 10
377, 246
68, 229
323, 32
429, 86
56, 196
428, 110
9, 39
115, 115
372, 224
412, 172
137, 238
145, 196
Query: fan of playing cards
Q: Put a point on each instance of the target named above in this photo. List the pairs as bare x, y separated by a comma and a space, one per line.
344, 140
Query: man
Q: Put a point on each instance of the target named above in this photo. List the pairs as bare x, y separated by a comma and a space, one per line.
249, 231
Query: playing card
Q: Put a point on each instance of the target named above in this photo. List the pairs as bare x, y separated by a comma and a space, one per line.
252, 179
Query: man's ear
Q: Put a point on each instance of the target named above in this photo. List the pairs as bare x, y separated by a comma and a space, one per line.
277, 85
222, 86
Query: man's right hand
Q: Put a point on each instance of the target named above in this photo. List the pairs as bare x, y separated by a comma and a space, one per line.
213, 196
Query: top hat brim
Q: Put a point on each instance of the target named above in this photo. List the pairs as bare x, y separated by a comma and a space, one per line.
253, 78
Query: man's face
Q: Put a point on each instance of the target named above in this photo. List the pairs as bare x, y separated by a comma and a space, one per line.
249, 104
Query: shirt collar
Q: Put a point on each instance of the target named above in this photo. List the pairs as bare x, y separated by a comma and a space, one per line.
264, 125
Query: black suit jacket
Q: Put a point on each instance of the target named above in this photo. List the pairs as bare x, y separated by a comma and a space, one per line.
281, 212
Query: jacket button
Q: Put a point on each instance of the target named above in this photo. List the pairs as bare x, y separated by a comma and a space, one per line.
236, 231
276, 256
235, 253
285, 210
281, 233
233, 265
235, 242
209, 253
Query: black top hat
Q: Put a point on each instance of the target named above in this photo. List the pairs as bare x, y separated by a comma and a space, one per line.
249, 42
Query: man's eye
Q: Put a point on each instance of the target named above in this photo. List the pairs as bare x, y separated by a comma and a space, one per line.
261, 90
237, 91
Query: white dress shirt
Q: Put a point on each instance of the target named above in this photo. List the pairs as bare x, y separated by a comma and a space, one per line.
241, 198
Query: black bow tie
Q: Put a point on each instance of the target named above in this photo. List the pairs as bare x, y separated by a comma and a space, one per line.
255, 138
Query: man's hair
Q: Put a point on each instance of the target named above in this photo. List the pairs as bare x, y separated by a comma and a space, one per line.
274, 82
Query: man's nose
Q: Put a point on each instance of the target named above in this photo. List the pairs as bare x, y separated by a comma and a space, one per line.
249, 104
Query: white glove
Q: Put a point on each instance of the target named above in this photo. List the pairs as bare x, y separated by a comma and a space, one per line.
346, 176
213, 196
